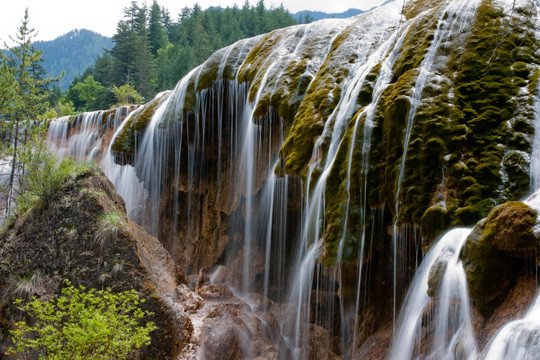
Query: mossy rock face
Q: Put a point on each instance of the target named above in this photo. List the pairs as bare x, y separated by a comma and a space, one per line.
124, 143
223, 64
416, 44
433, 222
516, 164
390, 122
341, 203
414, 8
509, 228
495, 251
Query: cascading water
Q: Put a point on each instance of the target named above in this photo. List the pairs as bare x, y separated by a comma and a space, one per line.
310, 244
87, 137
446, 305
454, 16
519, 339
86, 141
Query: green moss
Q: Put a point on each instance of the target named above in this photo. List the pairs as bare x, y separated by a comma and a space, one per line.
390, 121
533, 82
256, 62
433, 222
491, 253
124, 143
489, 74
416, 44
516, 166
414, 8
314, 110
342, 196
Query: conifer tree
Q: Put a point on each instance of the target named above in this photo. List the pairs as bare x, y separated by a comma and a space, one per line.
24, 72
158, 31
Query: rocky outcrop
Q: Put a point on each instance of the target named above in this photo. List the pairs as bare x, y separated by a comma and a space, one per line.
45, 245
496, 251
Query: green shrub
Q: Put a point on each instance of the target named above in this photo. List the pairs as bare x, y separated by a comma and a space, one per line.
81, 324
43, 175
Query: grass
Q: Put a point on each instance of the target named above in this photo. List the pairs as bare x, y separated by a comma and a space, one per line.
109, 226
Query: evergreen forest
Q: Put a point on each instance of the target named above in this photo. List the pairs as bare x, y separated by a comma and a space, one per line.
154, 48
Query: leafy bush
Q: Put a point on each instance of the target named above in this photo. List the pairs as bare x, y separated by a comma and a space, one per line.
81, 324
43, 175
126, 95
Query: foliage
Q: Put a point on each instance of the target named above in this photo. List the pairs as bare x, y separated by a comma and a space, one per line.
8, 90
151, 52
61, 109
43, 175
27, 99
88, 90
83, 324
25, 64
65, 108
126, 94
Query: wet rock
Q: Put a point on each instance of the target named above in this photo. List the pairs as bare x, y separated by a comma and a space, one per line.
233, 331
495, 251
320, 344
375, 346
190, 300
436, 274
215, 292
509, 227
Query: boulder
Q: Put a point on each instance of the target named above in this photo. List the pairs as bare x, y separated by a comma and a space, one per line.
495, 252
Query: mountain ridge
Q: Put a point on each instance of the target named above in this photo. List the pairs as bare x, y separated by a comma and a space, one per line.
73, 53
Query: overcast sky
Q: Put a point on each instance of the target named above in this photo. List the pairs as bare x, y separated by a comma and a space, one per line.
52, 18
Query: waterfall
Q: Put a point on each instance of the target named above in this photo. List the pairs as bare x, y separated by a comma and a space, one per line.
87, 137
313, 221
453, 18
519, 339
201, 170
448, 308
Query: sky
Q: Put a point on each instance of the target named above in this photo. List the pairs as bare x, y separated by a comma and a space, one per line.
53, 18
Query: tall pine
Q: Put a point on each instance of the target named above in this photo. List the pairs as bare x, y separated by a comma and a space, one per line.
27, 98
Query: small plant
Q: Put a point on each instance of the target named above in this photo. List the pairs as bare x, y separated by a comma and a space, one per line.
118, 265
27, 286
126, 94
43, 175
83, 324
108, 227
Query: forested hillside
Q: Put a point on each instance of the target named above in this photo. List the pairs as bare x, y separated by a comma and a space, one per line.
72, 53
153, 48
306, 16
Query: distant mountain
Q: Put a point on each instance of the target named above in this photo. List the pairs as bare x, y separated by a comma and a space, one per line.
72, 52
318, 15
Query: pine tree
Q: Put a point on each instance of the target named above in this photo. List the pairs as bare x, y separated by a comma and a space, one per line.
158, 31
22, 69
143, 61
132, 55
